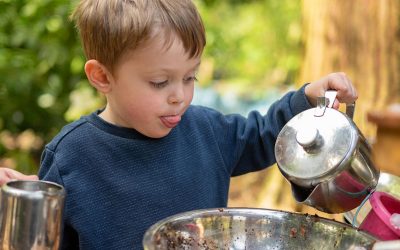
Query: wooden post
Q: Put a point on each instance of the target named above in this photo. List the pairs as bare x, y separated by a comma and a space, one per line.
386, 148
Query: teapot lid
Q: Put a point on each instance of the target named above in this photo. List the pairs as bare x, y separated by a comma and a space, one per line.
313, 146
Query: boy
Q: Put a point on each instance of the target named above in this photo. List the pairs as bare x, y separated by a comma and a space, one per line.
150, 154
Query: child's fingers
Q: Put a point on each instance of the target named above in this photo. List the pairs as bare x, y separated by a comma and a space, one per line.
19, 176
7, 174
346, 93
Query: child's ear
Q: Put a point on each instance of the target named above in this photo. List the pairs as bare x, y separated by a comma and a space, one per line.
98, 76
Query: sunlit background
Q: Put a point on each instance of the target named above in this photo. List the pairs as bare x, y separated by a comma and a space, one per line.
257, 50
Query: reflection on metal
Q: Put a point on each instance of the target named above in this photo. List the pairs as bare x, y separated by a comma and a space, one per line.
30, 215
241, 228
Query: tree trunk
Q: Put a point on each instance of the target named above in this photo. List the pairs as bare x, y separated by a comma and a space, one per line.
360, 38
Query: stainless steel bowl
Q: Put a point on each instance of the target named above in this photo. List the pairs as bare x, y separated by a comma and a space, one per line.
245, 228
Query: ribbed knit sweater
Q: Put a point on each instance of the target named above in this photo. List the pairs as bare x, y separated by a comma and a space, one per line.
120, 182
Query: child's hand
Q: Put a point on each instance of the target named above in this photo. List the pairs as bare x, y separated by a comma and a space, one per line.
8, 174
346, 93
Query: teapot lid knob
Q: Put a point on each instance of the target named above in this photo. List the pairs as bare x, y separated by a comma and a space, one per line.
307, 136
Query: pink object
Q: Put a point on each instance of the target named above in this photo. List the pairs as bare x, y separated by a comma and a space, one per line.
377, 221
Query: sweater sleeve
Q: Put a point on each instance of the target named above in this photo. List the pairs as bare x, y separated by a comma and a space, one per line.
49, 172
247, 144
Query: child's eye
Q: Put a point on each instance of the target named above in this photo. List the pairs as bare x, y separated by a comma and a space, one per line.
190, 79
159, 84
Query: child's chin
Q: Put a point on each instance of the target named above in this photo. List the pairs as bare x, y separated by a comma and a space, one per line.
159, 134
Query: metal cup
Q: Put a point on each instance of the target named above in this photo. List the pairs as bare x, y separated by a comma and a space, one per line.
31, 215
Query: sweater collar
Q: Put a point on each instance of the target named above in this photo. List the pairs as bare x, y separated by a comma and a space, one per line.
107, 127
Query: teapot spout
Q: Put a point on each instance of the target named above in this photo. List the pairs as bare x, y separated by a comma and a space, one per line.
312, 197
301, 194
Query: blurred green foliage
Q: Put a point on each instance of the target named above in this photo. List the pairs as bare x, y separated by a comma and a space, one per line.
38, 56
252, 44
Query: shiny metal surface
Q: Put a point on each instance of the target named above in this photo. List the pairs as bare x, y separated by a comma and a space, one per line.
346, 189
241, 228
327, 160
334, 143
30, 215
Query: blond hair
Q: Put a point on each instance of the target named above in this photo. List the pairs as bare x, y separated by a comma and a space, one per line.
110, 28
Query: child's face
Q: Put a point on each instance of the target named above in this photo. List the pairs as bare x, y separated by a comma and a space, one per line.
152, 88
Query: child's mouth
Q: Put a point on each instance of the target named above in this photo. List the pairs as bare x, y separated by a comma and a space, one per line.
171, 120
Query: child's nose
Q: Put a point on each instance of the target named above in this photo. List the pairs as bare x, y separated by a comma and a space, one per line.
177, 95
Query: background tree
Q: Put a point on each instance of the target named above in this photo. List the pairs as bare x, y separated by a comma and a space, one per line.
360, 38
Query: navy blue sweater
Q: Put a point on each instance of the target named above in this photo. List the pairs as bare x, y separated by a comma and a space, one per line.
119, 182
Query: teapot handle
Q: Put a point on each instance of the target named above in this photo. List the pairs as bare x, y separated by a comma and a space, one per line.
350, 107
331, 96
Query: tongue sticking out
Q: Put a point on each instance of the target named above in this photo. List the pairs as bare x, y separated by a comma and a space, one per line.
171, 121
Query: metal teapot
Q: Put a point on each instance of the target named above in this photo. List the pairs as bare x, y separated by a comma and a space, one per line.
326, 159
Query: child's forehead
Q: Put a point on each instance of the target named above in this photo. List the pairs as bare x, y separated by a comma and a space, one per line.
159, 46
161, 43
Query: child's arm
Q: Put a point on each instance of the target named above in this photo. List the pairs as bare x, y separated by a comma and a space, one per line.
8, 174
